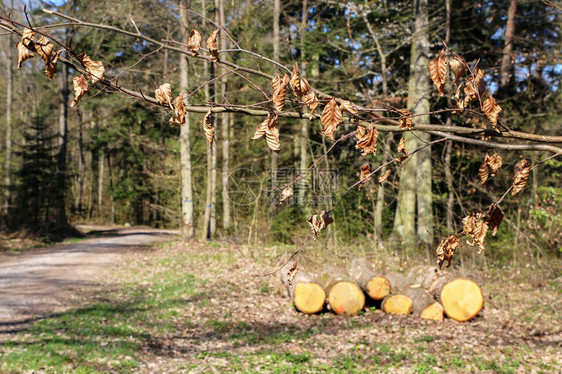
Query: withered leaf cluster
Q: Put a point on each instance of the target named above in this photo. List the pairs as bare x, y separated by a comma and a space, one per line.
446, 250
495, 217
194, 42
490, 166
295, 82
27, 46
279, 91
331, 118
402, 148
319, 222
208, 127
348, 106
365, 175
80, 88
164, 94
405, 119
94, 69
473, 87
180, 111
270, 128
384, 177
367, 140
309, 96
475, 226
522, 170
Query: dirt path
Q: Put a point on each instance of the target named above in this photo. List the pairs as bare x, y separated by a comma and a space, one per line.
47, 280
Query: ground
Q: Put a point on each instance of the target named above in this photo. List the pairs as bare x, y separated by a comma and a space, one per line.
212, 307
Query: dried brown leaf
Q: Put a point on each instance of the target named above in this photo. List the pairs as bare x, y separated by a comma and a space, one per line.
44, 48
365, 175
438, 71
495, 218
295, 82
164, 94
492, 163
474, 87
348, 106
23, 54
319, 222
405, 119
402, 146
212, 45
367, 140
272, 134
476, 228
27, 39
80, 84
458, 66
309, 97
331, 118
292, 273
522, 170
383, 178
287, 192
260, 131
446, 250
483, 172
275, 82
51, 66
179, 110
194, 42
94, 69
208, 127
491, 109
279, 93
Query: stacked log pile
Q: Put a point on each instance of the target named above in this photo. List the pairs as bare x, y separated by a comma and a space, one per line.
425, 291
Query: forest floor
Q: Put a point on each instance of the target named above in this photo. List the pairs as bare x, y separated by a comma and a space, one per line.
210, 307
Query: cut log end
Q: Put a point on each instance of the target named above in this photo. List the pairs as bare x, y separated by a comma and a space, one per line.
309, 297
461, 299
433, 312
346, 298
378, 288
397, 304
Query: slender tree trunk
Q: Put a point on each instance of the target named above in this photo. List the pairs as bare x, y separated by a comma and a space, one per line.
225, 120
101, 165
420, 105
276, 47
304, 122
213, 222
61, 219
187, 228
449, 144
507, 61
9, 101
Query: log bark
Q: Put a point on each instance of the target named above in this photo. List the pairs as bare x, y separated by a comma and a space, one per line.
375, 286
424, 275
461, 298
307, 294
344, 296
423, 304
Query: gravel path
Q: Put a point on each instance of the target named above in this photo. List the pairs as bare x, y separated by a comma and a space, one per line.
47, 280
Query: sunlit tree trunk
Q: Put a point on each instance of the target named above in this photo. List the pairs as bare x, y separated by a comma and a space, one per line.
224, 44
449, 144
9, 101
419, 103
187, 228
276, 47
304, 122
507, 61
61, 219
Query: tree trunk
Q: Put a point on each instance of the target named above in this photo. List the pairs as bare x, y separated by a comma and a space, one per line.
101, 165
397, 304
507, 61
9, 101
304, 122
274, 155
305, 292
419, 102
225, 121
213, 219
187, 228
61, 219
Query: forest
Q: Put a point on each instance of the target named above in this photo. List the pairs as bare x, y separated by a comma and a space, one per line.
295, 134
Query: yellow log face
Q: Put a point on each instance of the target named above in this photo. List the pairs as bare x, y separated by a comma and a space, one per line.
462, 299
397, 304
433, 312
378, 288
309, 297
346, 298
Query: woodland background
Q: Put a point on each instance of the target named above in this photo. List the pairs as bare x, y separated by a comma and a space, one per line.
113, 159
